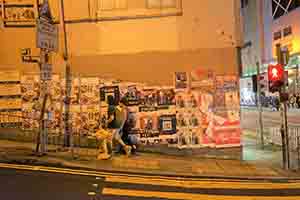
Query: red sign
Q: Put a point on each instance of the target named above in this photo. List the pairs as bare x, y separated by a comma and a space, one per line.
276, 73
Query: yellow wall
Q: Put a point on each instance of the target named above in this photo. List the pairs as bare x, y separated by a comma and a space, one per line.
138, 49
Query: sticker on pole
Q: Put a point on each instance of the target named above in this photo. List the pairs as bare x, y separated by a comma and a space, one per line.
46, 72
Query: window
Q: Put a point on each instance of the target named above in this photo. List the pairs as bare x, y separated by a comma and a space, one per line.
281, 7
161, 3
287, 31
288, 47
113, 4
277, 35
244, 3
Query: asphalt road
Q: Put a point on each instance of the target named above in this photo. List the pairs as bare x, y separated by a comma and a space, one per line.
270, 119
37, 185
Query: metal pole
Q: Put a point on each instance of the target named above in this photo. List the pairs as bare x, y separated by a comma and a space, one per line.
259, 104
297, 79
67, 76
298, 148
284, 126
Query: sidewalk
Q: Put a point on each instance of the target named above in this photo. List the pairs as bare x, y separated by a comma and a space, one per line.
145, 163
268, 109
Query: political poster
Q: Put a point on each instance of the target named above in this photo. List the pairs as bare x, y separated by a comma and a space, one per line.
181, 80
110, 91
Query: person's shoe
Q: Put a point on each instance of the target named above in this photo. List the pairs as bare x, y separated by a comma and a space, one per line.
103, 156
127, 150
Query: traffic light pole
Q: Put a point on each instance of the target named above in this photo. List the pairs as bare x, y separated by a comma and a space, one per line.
68, 140
284, 125
259, 104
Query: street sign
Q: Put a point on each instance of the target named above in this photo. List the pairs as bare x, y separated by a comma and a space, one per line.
46, 72
47, 32
47, 35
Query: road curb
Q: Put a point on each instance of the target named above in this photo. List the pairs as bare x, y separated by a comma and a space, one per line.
101, 172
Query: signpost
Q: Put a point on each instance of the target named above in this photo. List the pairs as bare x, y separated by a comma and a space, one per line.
47, 41
46, 72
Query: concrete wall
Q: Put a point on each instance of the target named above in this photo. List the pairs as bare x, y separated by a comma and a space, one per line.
252, 27
137, 49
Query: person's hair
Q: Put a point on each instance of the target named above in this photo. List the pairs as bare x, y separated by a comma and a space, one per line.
110, 100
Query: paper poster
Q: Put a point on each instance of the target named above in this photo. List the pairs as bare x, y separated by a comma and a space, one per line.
89, 93
226, 83
10, 117
166, 97
232, 100
167, 124
8, 103
55, 88
30, 88
149, 97
181, 80
132, 96
110, 91
226, 130
202, 79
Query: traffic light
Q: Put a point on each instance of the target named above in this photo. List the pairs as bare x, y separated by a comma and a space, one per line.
257, 81
276, 77
254, 85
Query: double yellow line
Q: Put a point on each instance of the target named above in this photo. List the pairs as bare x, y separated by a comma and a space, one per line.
188, 183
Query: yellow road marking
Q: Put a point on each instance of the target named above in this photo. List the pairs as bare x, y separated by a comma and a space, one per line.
202, 184
160, 180
186, 196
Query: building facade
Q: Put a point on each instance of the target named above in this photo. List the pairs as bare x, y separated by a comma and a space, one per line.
266, 24
175, 62
129, 30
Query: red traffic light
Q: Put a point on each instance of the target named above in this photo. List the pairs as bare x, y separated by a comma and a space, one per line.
276, 73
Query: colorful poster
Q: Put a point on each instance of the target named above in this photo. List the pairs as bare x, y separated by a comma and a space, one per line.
10, 103
226, 83
132, 96
149, 97
227, 134
166, 97
181, 80
30, 88
202, 79
110, 91
89, 91
10, 118
167, 124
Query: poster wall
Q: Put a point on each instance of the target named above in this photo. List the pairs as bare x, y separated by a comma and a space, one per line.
201, 110
10, 99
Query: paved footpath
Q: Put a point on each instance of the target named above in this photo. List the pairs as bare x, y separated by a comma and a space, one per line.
145, 163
